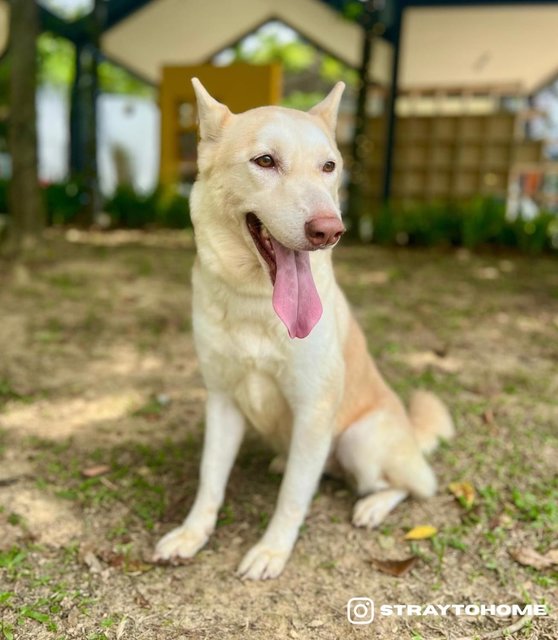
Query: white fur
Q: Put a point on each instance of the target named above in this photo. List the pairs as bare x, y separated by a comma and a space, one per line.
291, 391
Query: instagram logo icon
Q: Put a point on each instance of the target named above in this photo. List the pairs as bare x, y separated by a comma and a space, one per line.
360, 610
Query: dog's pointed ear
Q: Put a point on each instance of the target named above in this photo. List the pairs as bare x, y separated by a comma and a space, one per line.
328, 108
212, 115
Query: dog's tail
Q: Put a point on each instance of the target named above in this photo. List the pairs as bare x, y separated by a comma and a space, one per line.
431, 420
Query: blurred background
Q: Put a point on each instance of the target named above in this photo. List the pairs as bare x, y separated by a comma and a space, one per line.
449, 126
449, 130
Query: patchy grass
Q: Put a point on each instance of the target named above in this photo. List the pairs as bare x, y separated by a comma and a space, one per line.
98, 372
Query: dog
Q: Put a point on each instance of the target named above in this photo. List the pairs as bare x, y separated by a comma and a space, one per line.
277, 344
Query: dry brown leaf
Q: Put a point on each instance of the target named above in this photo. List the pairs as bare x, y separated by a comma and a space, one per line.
422, 532
395, 568
503, 521
94, 472
421, 360
113, 559
531, 558
92, 562
464, 492
142, 601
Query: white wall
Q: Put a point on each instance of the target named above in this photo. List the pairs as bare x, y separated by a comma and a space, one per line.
133, 124
129, 122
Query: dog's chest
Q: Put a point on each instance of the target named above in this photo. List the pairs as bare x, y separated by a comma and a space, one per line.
243, 352
250, 368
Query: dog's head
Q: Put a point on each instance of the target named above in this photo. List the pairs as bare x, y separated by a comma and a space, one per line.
277, 172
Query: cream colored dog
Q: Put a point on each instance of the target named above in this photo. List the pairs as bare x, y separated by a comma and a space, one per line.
277, 344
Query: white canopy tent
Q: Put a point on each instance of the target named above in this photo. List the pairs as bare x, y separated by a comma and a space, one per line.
445, 47
442, 46
191, 32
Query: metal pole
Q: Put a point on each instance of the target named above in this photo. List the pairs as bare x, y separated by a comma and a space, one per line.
76, 119
392, 101
357, 169
83, 115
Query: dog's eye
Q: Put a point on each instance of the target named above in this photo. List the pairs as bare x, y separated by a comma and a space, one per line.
329, 166
266, 162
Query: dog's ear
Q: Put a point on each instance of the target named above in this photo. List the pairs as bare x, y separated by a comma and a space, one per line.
327, 109
212, 115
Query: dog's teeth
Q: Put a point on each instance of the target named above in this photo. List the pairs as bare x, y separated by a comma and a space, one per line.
265, 233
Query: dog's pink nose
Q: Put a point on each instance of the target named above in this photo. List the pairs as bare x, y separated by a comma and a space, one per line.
324, 231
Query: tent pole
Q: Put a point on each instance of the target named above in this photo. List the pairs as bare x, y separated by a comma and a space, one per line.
357, 169
76, 118
392, 101
83, 115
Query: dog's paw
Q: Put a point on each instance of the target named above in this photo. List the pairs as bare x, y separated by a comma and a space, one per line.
182, 542
262, 563
372, 510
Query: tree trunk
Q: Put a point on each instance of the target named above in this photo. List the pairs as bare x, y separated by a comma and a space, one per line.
27, 212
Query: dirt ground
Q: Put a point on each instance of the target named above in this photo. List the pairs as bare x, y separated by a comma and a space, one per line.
101, 407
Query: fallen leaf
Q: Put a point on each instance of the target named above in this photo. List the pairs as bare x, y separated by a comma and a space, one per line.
464, 492
503, 521
133, 566
421, 360
91, 560
73, 617
488, 416
395, 568
421, 533
142, 601
316, 623
115, 560
531, 558
94, 472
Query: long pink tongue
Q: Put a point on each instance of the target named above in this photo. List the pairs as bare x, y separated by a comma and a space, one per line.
295, 298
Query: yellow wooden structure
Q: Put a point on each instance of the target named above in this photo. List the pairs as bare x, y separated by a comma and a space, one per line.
239, 86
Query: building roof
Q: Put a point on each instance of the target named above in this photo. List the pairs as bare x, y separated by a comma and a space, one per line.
477, 46
186, 32
446, 44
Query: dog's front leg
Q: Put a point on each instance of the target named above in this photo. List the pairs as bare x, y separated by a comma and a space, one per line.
309, 448
224, 428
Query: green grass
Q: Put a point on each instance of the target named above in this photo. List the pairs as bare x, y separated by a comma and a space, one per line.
501, 332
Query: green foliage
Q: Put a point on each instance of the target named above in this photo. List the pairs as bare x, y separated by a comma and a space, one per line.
5, 68
333, 70
56, 67
533, 236
473, 224
483, 222
163, 207
114, 79
302, 100
127, 207
173, 209
130, 209
298, 58
4, 196
63, 201
295, 56
352, 9
55, 60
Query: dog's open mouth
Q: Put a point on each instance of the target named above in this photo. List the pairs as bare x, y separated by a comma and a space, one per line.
295, 297
262, 240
